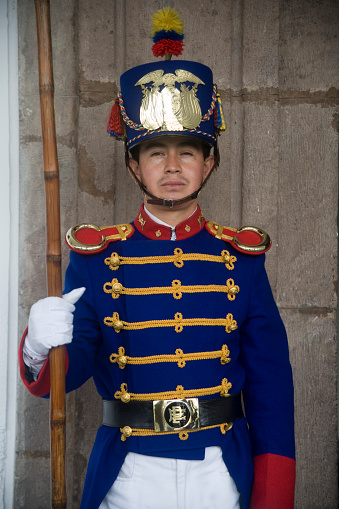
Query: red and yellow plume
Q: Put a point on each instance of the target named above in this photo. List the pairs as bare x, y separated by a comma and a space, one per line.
167, 33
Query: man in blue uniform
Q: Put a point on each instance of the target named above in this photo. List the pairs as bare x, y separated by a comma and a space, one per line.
174, 318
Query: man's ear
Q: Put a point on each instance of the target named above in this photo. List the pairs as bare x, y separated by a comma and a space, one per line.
135, 166
208, 166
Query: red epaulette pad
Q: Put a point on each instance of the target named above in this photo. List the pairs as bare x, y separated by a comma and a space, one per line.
88, 238
248, 239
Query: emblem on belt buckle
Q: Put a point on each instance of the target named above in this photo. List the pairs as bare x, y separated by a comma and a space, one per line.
176, 414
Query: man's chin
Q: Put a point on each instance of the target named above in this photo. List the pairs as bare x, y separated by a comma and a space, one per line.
177, 194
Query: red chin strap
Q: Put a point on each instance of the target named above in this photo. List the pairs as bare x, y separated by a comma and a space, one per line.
154, 200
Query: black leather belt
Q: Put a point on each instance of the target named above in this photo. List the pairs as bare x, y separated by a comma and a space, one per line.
172, 415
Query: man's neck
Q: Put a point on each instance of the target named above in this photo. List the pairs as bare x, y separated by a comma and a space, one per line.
172, 216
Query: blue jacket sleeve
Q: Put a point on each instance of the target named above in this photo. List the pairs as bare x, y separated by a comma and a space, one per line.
87, 336
268, 388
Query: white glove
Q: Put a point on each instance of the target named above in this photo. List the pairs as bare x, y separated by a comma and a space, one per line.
50, 324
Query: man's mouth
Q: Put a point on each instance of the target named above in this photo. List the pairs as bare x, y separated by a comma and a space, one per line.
173, 184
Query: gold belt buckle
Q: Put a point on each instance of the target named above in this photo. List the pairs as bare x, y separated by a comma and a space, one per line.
176, 414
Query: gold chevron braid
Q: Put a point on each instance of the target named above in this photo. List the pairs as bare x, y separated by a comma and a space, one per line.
183, 435
179, 393
178, 258
178, 323
179, 357
177, 289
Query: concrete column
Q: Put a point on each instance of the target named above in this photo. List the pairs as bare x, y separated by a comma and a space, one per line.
307, 251
9, 163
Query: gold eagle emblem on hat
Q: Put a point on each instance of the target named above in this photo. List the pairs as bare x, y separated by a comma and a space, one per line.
170, 109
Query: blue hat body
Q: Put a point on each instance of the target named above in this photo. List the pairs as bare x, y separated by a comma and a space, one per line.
170, 97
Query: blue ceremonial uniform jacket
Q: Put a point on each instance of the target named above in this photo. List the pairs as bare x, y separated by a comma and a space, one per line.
158, 304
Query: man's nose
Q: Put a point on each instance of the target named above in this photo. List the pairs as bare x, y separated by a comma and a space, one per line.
172, 162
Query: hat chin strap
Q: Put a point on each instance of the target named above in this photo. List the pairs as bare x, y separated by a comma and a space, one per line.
154, 200
170, 203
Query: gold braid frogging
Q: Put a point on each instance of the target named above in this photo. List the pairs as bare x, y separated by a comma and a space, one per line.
179, 393
179, 357
177, 289
178, 258
183, 435
178, 323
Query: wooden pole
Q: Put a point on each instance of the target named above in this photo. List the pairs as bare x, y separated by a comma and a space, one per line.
53, 252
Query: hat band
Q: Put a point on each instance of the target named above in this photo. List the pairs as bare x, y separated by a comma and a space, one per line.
147, 133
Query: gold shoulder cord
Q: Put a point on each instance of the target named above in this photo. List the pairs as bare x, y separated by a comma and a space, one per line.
177, 289
178, 323
178, 258
179, 357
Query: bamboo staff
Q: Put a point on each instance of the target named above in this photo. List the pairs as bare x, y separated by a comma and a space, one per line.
53, 252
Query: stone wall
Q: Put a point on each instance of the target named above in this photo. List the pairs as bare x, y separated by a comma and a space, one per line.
276, 66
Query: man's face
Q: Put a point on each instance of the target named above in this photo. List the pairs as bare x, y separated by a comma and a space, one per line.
172, 167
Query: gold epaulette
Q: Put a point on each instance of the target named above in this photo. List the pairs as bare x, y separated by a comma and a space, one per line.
248, 239
87, 238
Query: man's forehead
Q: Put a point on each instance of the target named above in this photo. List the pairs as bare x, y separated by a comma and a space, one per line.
170, 141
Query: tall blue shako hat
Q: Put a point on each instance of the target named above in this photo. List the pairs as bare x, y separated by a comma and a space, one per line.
167, 97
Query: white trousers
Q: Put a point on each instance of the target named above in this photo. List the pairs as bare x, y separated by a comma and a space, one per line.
146, 482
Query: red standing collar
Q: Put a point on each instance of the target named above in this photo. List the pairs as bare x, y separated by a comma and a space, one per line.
152, 230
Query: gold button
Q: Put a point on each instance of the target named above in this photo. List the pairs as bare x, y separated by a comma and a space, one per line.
231, 327
114, 260
233, 290
227, 258
122, 361
224, 393
127, 431
118, 325
223, 360
125, 397
117, 287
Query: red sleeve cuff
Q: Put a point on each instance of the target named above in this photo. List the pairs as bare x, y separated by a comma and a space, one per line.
274, 482
41, 386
